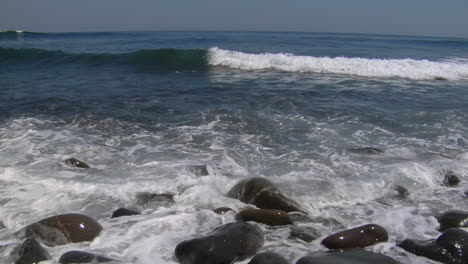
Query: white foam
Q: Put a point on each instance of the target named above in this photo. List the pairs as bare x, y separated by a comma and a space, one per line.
403, 68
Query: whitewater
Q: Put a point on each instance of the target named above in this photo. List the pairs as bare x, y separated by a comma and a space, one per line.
357, 129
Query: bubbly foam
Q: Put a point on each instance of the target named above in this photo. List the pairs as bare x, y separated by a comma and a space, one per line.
403, 68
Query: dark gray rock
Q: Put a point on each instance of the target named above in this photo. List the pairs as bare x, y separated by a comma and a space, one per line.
199, 170
347, 257
450, 179
451, 247
305, 234
76, 256
268, 258
124, 212
222, 210
226, 244
157, 199
62, 229
402, 192
366, 151
452, 219
263, 194
358, 237
31, 252
76, 163
265, 216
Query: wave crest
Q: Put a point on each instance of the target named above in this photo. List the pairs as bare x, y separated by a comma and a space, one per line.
404, 68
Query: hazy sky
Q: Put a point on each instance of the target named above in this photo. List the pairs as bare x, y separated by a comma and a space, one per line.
407, 17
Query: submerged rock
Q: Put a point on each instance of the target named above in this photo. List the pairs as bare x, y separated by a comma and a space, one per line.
265, 216
198, 170
402, 192
124, 212
366, 151
76, 256
76, 163
31, 252
263, 194
226, 244
305, 234
158, 199
268, 258
347, 257
358, 237
450, 179
62, 229
451, 247
222, 210
452, 219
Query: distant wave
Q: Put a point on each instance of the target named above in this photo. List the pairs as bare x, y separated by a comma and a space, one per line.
403, 68
154, 60
145, 60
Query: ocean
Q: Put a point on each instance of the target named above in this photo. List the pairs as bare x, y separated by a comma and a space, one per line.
143, 109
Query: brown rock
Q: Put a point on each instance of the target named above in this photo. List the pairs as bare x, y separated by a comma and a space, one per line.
263, 194
63, 229
358, 237
265, 216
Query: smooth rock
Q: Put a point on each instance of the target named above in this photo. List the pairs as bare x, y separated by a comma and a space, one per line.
265, 216
451, 247
452, 219
305, 234
226, 244
358, 237
268, 258
62, 229
199, 170
76, 256
158, 199
366, 151
124, 212
76, 163
347, 257
263, 194
31, 252
222, 210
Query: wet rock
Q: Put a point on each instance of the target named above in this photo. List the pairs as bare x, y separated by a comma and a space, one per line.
198, 170
62, 229
157, 199
366, 151
2, 225
76, 163
262, 193
222, 210
358, 237
305, 234
226, 244
265, 216
31, 252
451, 247
124, 212
440, 79
76, 256
402, 192
450, 179
347, 257
268, 258
452, 219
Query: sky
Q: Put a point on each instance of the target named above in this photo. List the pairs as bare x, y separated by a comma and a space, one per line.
446, 18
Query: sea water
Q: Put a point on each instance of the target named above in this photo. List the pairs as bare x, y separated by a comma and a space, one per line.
142, 108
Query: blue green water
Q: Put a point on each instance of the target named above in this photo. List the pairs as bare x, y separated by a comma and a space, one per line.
140, 107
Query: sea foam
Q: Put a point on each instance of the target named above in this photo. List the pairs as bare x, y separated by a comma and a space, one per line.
453, 69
